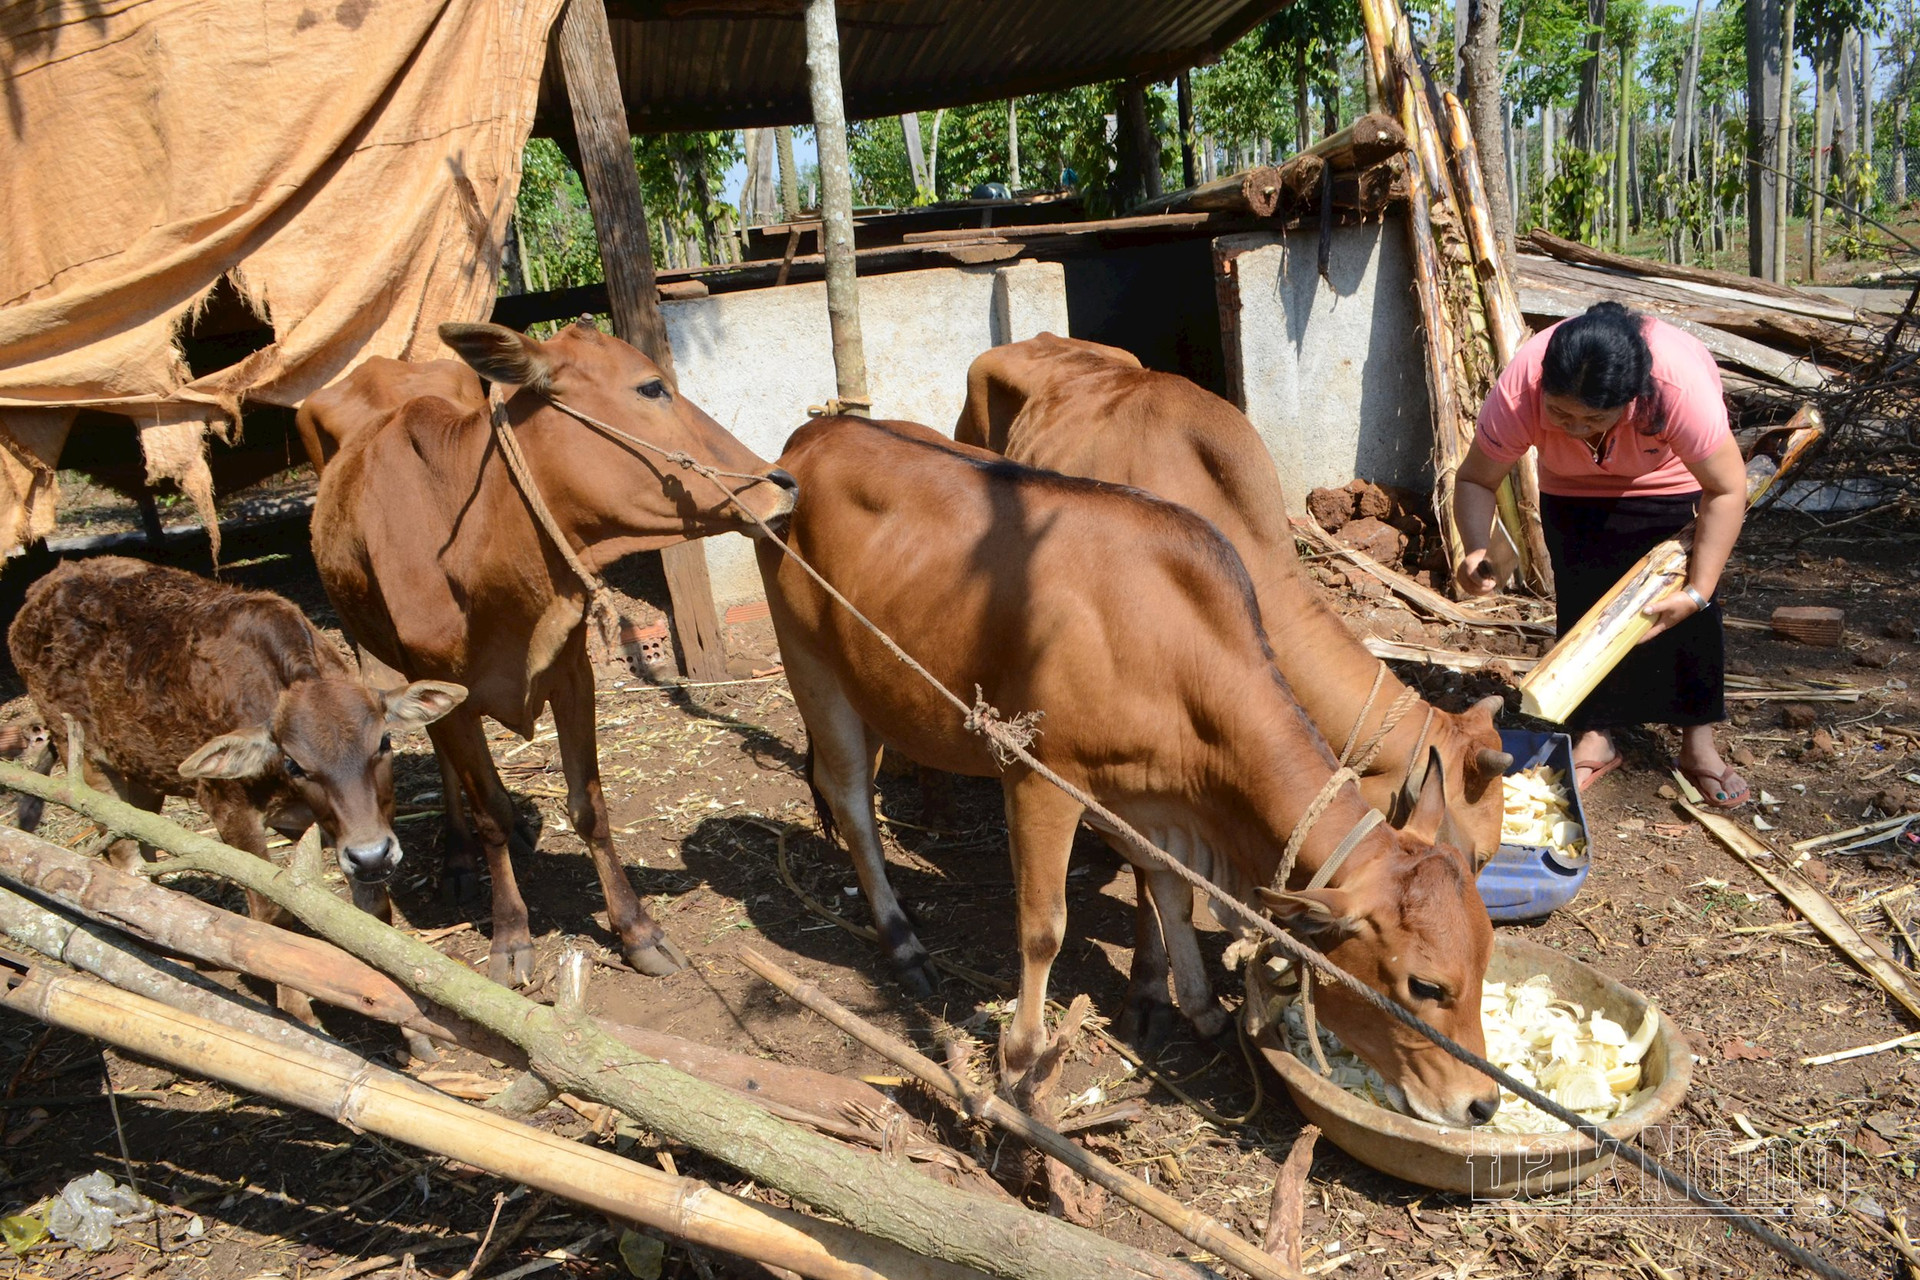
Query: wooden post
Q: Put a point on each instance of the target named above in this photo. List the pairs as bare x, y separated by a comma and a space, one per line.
633, 299
836, 208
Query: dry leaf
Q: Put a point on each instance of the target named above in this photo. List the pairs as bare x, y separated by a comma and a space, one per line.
1870, 1142
1738, 1050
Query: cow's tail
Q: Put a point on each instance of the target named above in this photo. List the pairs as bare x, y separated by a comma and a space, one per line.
822, 811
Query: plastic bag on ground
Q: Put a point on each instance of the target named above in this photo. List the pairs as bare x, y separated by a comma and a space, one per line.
88, 1209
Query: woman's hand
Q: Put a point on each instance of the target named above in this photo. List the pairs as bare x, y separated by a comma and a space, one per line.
1475, 576
1668, 613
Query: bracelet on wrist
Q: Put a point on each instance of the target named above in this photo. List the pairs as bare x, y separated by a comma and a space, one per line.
1692, 593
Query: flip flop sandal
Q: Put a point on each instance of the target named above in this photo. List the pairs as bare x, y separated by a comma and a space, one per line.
1713, 788
1594, 772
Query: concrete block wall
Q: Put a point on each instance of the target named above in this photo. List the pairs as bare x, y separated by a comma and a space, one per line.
756, 359
1332, 374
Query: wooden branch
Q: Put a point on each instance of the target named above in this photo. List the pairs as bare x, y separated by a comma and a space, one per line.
179, 923
1190, 1223
1425, 599
1028, 231
1814, 906
869, 1193
372, 1099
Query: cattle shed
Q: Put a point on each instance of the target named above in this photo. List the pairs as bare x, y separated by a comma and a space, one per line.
191, 272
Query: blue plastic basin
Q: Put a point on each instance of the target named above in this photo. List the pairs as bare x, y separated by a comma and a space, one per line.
1527, 881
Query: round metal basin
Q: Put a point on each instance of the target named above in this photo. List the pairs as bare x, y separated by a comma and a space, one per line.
1476, 1162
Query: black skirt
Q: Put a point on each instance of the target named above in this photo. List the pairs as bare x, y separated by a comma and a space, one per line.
1678, 677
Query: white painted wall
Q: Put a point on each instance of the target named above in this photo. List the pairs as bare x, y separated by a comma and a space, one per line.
756, 359
1332, 375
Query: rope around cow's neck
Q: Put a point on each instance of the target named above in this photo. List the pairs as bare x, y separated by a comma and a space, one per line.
1009, 742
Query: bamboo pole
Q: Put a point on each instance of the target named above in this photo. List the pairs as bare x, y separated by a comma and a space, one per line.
187, 926
1594, 646
565, 1048
372, 1099
1192, 1225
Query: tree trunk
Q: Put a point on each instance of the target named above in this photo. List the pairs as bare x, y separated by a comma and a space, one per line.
513, 274
1817, 164
1480, 60
1764, 63
1516, 161
751, 140
1899, 151
1300, 128
868, 1192
1585, 132
836, 207
1139, 149
1782, 140
765, 198
1844, 160
916, 152
1547, 144
1865, 45
1013, 145
1686, 114
1622, 147
789, 174
1634, 141
1183, 91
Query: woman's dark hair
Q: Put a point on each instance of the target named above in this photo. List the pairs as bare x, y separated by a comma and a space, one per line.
1599, 357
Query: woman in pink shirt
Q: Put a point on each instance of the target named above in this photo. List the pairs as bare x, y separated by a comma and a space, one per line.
1631, 426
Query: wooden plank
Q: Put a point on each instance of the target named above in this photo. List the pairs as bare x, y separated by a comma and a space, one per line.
1400, 651
1814, 906
1028, 230
620, 225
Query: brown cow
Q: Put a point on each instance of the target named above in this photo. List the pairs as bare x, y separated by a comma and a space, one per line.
371, 393
1083, 409
1130, 623
430, 552
186, 687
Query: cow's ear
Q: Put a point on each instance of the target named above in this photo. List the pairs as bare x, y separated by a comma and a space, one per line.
423, 702
1426, 808
499, 354
249, 753
1313, 913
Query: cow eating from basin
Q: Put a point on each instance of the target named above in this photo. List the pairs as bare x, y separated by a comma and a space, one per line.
1132, 625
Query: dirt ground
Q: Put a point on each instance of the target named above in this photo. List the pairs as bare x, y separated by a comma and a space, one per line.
701, 778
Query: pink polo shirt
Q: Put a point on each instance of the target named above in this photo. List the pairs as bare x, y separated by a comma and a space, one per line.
1645, 454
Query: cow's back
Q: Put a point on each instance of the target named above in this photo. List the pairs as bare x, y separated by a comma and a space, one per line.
1082, 409
151, 662
368, 396
1100, 605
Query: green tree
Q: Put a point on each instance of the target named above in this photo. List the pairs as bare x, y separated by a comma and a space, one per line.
557, 243
1242, 101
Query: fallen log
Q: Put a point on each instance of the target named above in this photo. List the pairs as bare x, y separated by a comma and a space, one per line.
179, 923
1594, 645
372, 1099
1190, 1223
1553, 246
566, 1049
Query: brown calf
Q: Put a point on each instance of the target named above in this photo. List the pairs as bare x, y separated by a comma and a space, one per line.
186, 687
429, 550
1130, 623
1082, 409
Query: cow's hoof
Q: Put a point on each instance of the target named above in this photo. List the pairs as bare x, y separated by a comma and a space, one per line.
419, 1045
1147, 1025
459, 885
919, 977
658, 960
511, 964
1213, 1023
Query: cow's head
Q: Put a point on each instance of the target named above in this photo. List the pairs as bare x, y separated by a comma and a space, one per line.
330, 745
1405, 918
1469, 744
600, 483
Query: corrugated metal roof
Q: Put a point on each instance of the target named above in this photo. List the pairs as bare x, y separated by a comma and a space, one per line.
728, 64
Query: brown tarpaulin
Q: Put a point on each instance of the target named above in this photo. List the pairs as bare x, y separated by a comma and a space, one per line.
348, 164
